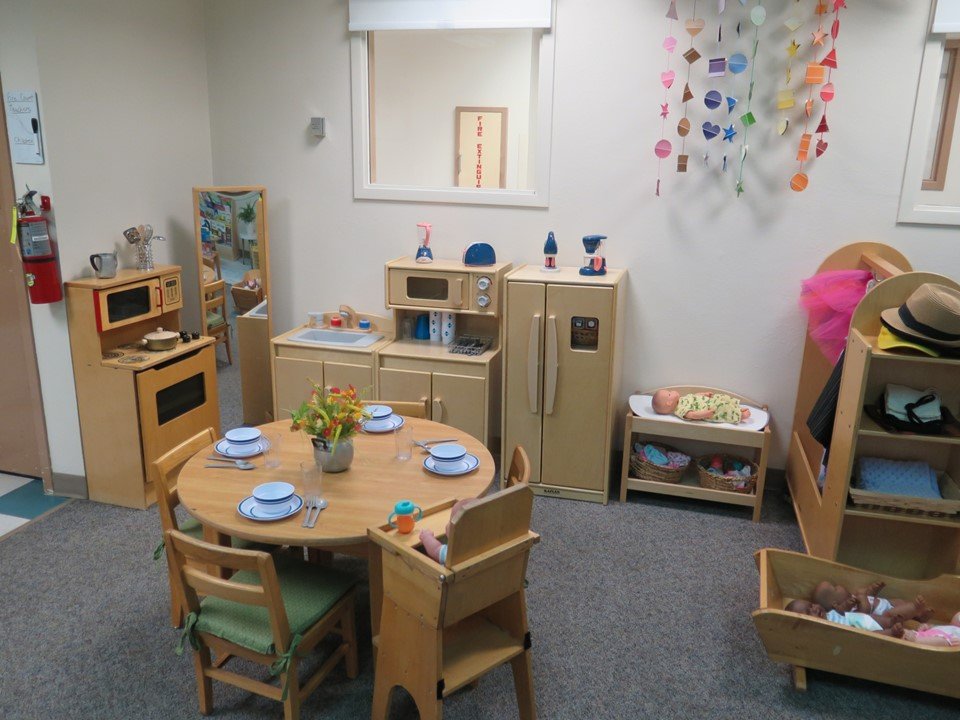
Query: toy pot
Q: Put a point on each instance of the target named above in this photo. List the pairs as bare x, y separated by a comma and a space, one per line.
332, 459
403, 511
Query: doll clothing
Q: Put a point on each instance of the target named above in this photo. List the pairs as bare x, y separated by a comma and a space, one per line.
880, 605
443, 555
725, 408
950, 633
854, 620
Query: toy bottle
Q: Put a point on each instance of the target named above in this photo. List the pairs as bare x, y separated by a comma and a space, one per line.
550, 254
403, 511
424, 253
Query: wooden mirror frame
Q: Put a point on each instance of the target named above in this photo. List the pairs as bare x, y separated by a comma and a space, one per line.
263, 235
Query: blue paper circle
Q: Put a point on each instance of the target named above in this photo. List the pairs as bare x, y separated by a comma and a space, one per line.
713, 99
737, 63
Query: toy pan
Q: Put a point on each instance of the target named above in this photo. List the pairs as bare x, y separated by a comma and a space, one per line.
808, 642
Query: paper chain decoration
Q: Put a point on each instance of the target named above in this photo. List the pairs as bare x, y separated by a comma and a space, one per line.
664, 147
757, 16
694, 26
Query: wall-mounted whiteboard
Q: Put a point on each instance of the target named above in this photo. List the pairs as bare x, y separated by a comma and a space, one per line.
23, 126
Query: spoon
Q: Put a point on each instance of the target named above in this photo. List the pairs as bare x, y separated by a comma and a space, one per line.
241, 464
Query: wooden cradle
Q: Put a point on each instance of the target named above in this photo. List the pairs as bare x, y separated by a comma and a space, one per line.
809, 642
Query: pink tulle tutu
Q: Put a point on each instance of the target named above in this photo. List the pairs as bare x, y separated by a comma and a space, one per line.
830, 298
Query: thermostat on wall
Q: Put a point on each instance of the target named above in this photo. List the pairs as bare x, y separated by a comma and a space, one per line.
318, 126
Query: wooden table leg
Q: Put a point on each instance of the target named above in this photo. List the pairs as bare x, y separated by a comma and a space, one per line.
215, 537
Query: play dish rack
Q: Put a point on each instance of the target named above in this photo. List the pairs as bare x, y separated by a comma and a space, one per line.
909, 505
743, 484
643, 469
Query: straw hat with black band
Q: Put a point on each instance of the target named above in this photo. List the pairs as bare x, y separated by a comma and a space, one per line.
931, 315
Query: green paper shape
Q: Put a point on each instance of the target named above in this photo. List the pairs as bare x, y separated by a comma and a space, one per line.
748, 119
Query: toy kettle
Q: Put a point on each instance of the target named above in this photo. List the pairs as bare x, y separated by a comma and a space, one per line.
404, 511
424, 253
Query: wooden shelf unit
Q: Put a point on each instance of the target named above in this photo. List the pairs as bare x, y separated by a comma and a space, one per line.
754, 445
897, 543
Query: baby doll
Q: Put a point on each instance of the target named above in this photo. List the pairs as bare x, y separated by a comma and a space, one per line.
862, 621
718, 408
865, 600
435, 549
943, 635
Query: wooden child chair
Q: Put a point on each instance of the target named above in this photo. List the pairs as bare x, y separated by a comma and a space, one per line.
215, 315
443, 627
519, 472
408, 408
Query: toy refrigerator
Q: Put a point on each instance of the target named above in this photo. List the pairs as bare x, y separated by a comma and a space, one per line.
562, 373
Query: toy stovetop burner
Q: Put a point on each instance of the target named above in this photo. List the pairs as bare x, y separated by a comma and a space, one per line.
594, 263
424, 253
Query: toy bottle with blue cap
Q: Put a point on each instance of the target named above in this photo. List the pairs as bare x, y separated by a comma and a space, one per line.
550, 254
594, 263
424, 253
404, 512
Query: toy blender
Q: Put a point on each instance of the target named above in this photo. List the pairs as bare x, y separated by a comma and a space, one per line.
424, 253
594, 263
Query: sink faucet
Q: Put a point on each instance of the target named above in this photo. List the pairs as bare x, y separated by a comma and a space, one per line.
349, 315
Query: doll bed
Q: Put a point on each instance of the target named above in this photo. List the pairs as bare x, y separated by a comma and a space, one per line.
642, 406
808, 642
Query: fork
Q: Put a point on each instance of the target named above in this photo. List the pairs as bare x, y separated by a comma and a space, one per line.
311, 504
319, 504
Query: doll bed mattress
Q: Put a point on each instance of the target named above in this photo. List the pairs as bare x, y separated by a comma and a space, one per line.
808, 642
642, 406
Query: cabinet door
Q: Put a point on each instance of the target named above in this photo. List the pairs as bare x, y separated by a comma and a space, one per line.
408, 385
341, 375
576, 386
459, 401
293, 380
523, 372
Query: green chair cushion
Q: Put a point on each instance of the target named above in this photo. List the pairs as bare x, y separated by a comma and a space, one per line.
308, 591
214, 319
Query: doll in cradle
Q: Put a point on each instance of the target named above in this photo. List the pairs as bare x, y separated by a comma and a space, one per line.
937, 635
432, 546
706, 406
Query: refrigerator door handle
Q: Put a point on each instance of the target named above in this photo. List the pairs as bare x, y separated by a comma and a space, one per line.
552, 366
533, 365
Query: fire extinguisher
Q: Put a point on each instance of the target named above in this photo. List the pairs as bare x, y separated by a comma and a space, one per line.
38, 250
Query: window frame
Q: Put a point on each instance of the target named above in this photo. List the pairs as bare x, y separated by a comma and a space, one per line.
948, 119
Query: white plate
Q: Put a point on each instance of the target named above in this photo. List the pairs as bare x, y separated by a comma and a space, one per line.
225, 448
243, 435
383, 426
468, 464
249, 509
642, 406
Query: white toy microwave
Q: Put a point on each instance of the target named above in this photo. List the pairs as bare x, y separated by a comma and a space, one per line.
447, 285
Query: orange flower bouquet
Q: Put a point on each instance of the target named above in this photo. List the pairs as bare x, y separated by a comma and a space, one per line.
331, 418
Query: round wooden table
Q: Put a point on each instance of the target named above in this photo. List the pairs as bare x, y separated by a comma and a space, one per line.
359, 498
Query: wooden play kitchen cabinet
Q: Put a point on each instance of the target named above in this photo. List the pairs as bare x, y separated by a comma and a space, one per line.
562, 377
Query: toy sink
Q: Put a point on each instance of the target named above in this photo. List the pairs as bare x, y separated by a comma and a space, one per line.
336, 338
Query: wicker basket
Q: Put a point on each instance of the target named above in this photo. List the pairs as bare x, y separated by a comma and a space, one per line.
909, 505
645, 470
745, 485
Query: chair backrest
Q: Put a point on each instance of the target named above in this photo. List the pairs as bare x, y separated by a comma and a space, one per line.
166, 469
209, 262
197, 566
215, 298
416, 409
495, 520
519, 472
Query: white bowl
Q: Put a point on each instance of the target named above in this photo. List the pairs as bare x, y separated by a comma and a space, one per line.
243, 435
273, 493
379, 412
447, 455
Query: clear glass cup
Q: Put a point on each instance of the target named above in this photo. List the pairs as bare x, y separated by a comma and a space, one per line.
403, 436
271, 455
312, 476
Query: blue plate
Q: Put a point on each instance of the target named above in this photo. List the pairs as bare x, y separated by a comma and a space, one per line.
248, 508
383, 426
228, 449
467, 465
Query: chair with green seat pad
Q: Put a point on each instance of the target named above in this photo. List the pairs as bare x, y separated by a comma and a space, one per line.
215, 315
271, 611
164, 474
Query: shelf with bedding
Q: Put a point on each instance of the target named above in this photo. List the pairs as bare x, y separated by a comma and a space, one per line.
951, 521
869, 428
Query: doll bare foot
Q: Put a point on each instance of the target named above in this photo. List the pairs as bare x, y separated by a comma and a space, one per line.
895, 631
744, 414
848, 604
875, 588
910, 635
923, 611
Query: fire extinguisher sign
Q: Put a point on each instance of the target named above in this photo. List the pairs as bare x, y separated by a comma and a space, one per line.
480, 147
23, 126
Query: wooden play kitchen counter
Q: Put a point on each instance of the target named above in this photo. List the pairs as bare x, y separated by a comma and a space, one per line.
359, 498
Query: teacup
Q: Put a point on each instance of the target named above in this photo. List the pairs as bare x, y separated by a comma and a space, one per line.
447, 456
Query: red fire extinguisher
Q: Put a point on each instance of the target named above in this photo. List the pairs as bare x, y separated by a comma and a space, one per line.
38, 250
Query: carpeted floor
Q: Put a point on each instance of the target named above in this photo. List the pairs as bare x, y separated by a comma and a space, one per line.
638, 610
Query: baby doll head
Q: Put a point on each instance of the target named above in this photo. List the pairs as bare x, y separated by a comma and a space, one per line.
955, 620
665, 401
805, 607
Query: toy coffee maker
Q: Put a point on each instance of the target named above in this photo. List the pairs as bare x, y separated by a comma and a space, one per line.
594, 263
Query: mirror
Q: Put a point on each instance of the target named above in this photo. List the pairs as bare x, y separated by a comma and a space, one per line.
233, 257
453, 115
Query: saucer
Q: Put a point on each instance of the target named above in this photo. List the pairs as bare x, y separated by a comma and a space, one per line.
468, 464
249, 509
383, 426
227, 449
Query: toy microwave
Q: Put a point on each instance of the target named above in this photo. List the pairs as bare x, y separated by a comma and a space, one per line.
446, 285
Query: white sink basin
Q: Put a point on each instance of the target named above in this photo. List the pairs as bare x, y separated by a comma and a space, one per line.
336, 338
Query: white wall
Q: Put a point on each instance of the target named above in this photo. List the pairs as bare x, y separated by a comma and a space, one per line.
683, 250
123, 101
415, 118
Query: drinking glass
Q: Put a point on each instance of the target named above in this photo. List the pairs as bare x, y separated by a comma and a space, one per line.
312, 477
271, 455
403, 436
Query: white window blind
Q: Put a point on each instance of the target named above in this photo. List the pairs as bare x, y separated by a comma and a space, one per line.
946, 19
448, 14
